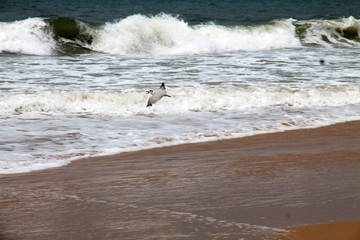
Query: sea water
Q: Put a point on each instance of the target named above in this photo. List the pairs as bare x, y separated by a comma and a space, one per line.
73, 81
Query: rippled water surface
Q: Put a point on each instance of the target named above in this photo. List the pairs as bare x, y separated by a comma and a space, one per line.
74, 86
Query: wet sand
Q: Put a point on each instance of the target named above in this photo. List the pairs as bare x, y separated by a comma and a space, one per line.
261, 187
335, 231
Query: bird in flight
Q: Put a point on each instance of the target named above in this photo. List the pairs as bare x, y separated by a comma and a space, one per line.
156, 95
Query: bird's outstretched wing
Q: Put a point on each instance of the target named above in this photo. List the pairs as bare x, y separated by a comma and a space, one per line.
157, 95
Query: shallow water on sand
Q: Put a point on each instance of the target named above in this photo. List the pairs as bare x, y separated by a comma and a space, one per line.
58, 108
71, 88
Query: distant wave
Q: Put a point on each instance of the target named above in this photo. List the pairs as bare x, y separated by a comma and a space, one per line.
344, 32
165, 34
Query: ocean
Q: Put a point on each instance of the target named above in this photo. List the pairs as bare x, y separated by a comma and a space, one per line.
74, 75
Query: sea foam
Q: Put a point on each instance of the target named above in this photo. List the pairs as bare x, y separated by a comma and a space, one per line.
343, 32
28, 36
164, 34
184, 100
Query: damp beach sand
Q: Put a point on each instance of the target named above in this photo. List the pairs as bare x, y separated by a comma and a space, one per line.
300, 184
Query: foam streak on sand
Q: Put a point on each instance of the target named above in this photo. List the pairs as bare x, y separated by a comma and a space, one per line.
246, 229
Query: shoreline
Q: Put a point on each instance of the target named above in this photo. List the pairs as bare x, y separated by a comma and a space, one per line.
239, 188
84, 156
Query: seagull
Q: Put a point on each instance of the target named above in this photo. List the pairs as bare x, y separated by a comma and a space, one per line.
157, 95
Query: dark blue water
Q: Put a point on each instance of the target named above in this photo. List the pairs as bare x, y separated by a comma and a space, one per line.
225, 12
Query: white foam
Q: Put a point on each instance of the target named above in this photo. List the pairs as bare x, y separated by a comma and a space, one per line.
21, 162
328, 33
164, 34
56, 109
185, 99
167, 35
26, 36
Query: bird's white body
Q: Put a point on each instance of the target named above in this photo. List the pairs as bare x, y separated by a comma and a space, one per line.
157, 94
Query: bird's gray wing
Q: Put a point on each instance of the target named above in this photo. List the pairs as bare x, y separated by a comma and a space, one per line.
154, 98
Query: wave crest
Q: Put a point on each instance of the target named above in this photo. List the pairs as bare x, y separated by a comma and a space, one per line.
164, 34
30, 36
344, 32
184, 100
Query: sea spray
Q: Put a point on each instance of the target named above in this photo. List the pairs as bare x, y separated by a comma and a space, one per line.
163, 34
67, 100
343, 32
29, 36
184, 100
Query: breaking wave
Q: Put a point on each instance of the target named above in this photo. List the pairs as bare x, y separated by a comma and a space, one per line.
344, 32
30, 36
186, 99
165, 34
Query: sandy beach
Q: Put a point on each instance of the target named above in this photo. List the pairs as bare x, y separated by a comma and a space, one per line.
300, 184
